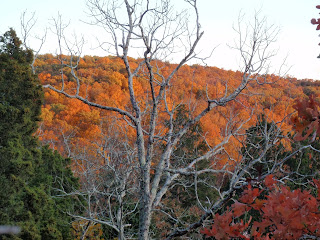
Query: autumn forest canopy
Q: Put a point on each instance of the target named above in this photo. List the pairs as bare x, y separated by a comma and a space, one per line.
117, 147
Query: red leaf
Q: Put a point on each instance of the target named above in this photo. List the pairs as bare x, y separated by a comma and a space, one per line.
249, 195
313, 21
239, 209
269, 181
307, 121
208, 232
258, 204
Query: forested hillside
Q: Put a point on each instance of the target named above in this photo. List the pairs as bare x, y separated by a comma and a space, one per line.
104, 81
101, 144
154, 147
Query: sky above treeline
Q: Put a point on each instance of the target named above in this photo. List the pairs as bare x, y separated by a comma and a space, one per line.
297, 41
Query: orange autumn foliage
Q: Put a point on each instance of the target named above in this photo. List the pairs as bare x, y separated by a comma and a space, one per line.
70, 124
104, 81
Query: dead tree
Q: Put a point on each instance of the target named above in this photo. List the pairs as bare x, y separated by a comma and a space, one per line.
155, 32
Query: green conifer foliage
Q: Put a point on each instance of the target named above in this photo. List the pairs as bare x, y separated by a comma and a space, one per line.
28, 172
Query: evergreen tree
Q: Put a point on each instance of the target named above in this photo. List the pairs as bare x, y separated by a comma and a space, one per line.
27, 171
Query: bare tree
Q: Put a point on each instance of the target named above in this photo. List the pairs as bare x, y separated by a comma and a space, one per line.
154, 31
107, 171
27, 23
108, 182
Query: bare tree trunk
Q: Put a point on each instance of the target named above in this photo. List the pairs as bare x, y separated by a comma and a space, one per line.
145, 208
145, 220
158, 32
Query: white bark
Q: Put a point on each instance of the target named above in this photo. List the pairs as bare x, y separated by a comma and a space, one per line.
157, 31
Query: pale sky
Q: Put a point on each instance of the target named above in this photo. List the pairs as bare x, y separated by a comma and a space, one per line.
298, 39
